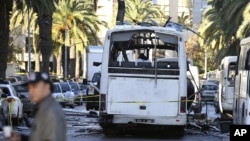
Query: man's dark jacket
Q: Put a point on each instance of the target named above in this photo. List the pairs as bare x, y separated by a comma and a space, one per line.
49, 123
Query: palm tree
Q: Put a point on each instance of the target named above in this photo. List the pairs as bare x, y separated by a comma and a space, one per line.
44, 10
184, 20
224, 25
232, 13
244, 28
141, 11
5, 8
19, 20
80, 23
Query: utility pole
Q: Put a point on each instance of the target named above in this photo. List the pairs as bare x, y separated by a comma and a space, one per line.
29, 46
65, 53
205, 69
65, 44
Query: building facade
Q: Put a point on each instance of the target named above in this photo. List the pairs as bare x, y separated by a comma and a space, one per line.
177, 8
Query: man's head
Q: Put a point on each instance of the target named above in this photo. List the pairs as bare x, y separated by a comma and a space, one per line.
39, 86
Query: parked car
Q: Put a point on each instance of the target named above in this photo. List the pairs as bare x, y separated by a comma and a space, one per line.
83, 88
4, 110
68, 94
12, 79
58, 94
15, 103
20, 78
4, 81
212, 81
22, 90
77, 92
208, 91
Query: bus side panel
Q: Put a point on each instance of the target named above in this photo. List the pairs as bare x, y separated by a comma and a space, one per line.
140, 96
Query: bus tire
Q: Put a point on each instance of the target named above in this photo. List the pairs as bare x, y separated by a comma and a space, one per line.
179, 131
175, 131
111, 131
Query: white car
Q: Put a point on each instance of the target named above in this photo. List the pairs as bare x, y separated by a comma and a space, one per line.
208, 91
68, 94
58, 94
15, 104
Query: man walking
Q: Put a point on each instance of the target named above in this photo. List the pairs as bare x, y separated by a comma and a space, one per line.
49, 123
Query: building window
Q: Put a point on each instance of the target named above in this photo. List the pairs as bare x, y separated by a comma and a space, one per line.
204, 4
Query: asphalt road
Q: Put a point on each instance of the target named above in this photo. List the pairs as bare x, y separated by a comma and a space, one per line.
143, 138
85, 128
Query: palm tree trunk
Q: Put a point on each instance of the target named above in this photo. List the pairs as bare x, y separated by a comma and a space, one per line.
5, 8
37, 62
77, 73
54, 65
36, 51
58, 62
72, 57
45, 25
84, 63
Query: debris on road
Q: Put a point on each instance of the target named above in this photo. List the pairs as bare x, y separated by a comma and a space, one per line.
91, 113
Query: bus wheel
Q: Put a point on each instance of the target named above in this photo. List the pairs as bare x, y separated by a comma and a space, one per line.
111, 131
181, 131
177, 131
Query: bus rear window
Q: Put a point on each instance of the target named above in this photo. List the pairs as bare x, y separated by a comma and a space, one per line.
141, 51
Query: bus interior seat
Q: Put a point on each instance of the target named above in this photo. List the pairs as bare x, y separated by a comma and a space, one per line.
168, 65
128, 64
114, 64
144, 64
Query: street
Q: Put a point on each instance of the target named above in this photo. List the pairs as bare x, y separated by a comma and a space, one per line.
85, 127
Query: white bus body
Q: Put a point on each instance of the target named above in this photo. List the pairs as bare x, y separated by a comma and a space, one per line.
226, 83
212, 75
241, 105
94, 54
150, 93
194, 76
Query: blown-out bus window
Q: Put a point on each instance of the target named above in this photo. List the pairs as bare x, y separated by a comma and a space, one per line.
141, 52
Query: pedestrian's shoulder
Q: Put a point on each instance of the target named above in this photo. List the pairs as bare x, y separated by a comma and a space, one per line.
55, 111
54, 108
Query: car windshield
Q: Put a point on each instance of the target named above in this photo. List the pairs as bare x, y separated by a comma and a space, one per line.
65, 87
74, 86
82, 87
12, 80
20, 88
18, 78
209, 87
5, 90
56, 88
96, 77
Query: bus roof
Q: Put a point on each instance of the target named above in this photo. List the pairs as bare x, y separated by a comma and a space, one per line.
245, 41
167, 30
229, 59
95, 49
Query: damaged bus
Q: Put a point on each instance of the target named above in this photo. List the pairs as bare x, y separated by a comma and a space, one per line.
144, 79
